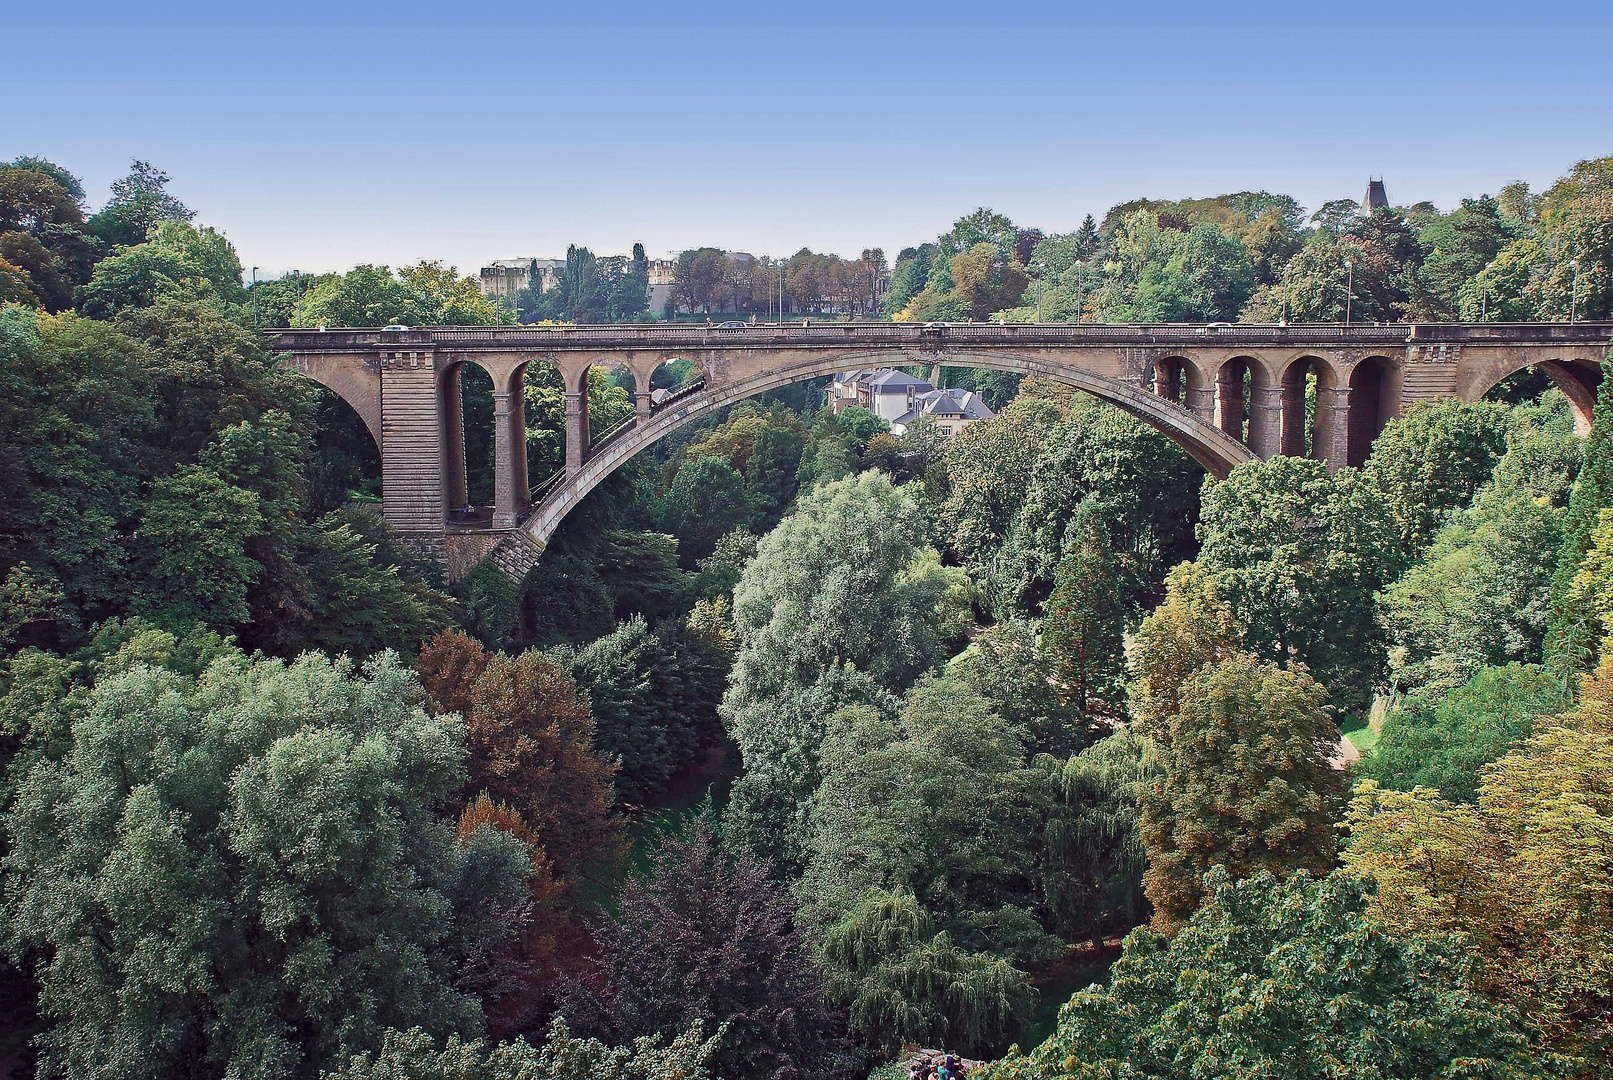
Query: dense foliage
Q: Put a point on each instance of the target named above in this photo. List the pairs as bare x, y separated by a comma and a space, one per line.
708, 936
1525, 872
1246, 782
1290, 979
239, 870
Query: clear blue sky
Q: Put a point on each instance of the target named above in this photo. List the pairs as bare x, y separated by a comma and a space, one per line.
318, 136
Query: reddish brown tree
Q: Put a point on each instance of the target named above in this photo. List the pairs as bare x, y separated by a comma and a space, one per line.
531, 740
550, 942
449, 666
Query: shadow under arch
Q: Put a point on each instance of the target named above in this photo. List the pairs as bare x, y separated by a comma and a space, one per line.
1212, 448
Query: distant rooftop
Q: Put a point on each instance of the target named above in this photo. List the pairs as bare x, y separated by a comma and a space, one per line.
1377, 198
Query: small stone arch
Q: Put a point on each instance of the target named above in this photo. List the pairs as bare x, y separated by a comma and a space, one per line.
1174, 378
1369, 405
1306, 427
457, 507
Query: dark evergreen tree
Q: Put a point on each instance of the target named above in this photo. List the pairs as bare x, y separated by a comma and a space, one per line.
709, 935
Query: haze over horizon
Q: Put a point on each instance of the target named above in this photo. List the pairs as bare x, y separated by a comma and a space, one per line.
320, 141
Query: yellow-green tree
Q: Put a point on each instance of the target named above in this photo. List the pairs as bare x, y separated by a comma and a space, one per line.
1194, 626
1528, 872
1248, 783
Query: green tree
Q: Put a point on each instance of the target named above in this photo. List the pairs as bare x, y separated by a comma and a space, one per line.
140, 202
363, 594
1445, 741
628, 676
989, 465
72, 463
1299, 553
1004, 666
192, 543
1571, 636
770, 474
1460, 245
210, 373
425, 294
707, 501
1290, 979
42, 269
269, 900
827, 587
1108, 470
1247, 783
1092, 864
900, 980
1431, 460
826, 615
178, 262
1514, 873
413, 1054
1480, 596
935, 802
1194, 626
1081, 636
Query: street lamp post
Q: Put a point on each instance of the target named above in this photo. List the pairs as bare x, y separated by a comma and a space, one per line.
254, 298
1080, 285
1349, 289
1573, 299
1287, 272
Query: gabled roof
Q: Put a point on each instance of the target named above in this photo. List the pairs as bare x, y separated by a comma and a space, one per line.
961, 404
896, 381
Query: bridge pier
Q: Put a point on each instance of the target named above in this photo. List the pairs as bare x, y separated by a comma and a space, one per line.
1265, 420
510, 491
1201, 402
1333, 426
455, 492
577, 428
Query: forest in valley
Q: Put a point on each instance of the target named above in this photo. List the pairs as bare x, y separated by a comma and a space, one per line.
805, 744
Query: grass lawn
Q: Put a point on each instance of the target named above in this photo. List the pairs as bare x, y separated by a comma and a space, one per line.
1362, 735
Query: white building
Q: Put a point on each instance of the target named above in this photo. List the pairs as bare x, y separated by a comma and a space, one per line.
885, 392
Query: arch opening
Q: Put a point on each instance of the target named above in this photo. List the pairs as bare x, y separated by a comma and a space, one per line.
1305, 426
346, 465
468, 452
1232, 385
1368, 407
1579, 379
543, 401
1171, 377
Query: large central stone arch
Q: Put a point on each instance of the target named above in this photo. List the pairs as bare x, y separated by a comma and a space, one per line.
1214, 449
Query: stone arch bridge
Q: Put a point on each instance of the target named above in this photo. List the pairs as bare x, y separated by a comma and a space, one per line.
1225, 393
